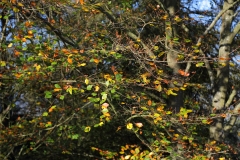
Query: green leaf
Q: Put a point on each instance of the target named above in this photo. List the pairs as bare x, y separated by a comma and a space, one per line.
145, 108
75, 136
48, 94
69, 90
89, 87
104, 95
187, 40
45, 114
61, 97
105, 110
53, 63
118, 77
204, 121
107, 83
57, 86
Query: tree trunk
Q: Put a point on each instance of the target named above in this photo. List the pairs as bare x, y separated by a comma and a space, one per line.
172, 6
222, 79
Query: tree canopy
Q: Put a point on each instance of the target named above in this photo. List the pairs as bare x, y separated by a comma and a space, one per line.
127, 79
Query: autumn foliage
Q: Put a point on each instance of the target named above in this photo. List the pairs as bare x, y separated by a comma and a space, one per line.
118, 80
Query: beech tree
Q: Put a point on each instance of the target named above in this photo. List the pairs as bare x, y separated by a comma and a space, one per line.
146, 79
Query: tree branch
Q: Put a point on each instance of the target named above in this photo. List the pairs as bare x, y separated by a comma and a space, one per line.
209, 28
235, 30
129, 33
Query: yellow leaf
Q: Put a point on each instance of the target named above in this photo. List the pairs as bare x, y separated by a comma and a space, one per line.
168, 112
10, 45
96, 88
178, 19
127, 157
170, 92
87, 129
129, 126
156, 82
165, 17
158, 88
176, 135
38, 67
184, 137
81, 64
196, 50
86, 81
231, 64
20, 4
182, 88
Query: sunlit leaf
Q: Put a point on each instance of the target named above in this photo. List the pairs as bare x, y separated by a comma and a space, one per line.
57, 86
97, 88
200, 64
104, 95
61, 97
75, 136
70, 61
144, 108
129, 126
89, 87
170, 92
139, 125
69, 90
105, 105
52, 108
10, 45
87, 129
48, 94
2, 63
45, 114
86, 81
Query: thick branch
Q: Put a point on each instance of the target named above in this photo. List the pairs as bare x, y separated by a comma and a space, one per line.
209, 28
235, 31
129, 33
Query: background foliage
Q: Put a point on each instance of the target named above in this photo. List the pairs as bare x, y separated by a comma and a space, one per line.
145, 79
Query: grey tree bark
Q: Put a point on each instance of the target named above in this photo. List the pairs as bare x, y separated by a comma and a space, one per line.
222, 79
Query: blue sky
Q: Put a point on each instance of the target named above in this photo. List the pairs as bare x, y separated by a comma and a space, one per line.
204, 4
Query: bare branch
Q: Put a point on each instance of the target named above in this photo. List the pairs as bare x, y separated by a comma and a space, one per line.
209, 28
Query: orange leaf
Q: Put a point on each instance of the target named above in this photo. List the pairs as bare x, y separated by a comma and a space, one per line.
81, 2
50, 110
96, 60
82, 51
69, 60
18, 75
149, 102
16, 53
139, 125
57, 89
166, 81
74, 51
183, 73
66, 51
